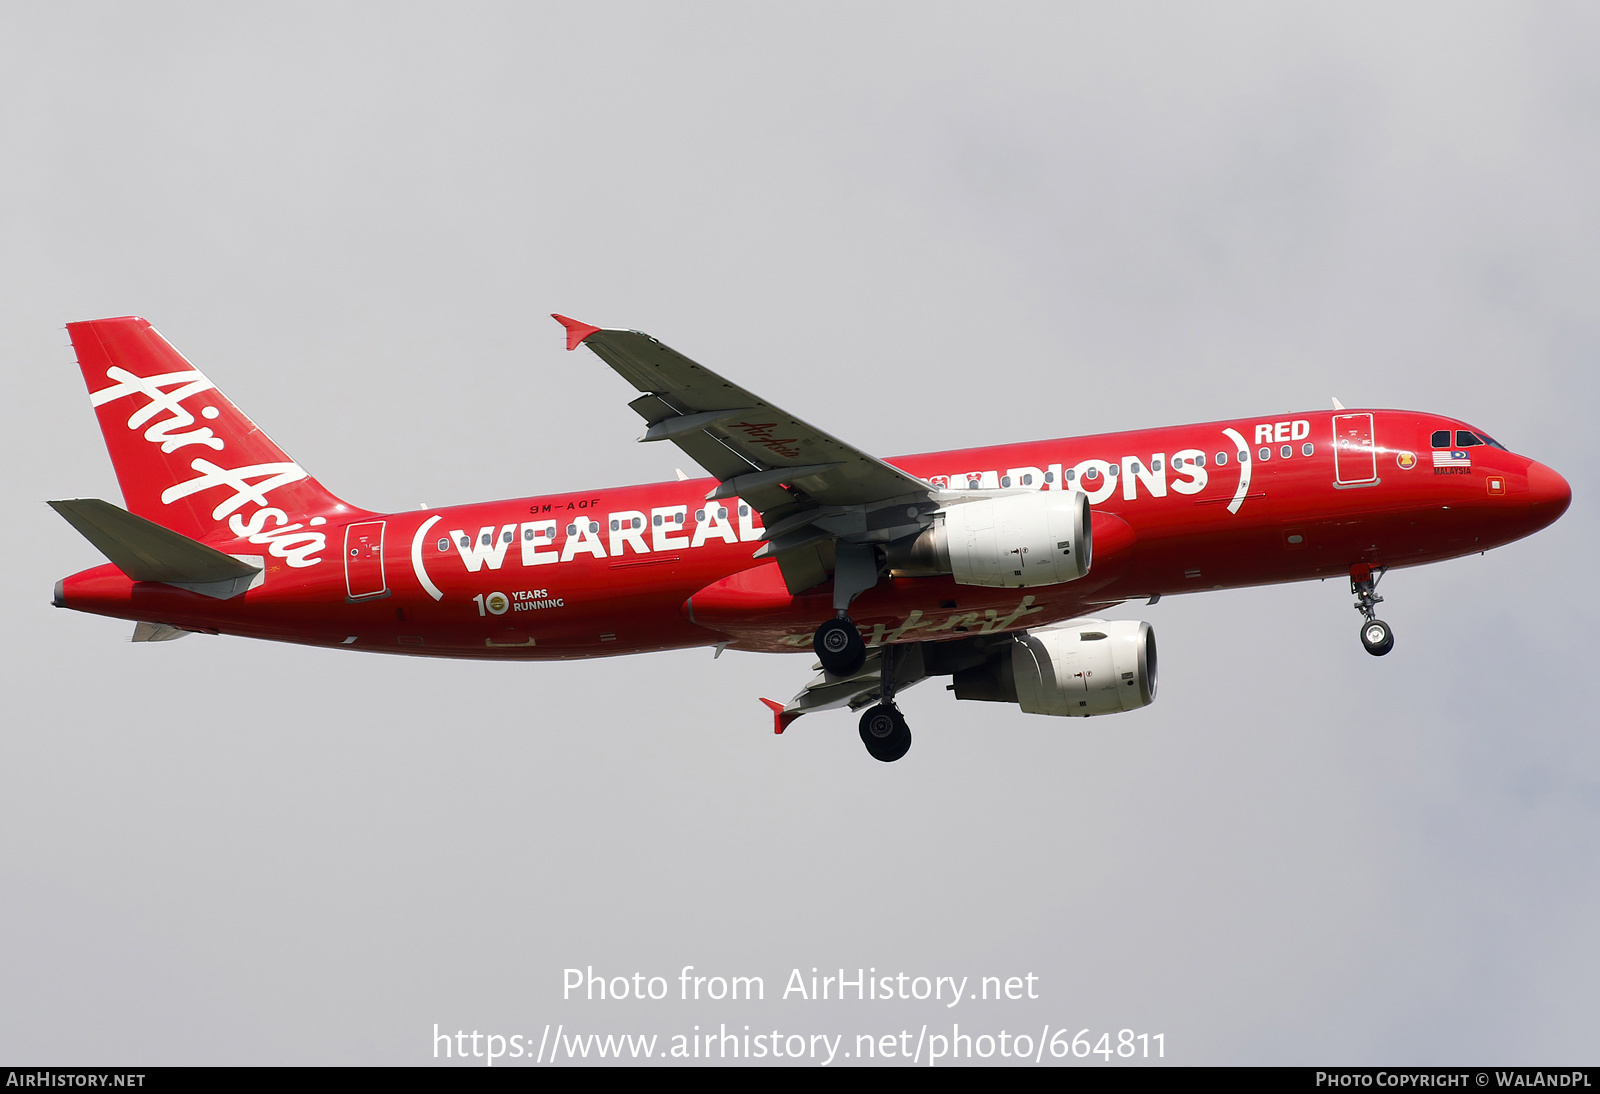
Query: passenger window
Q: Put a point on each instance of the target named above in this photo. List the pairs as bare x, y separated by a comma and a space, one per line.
488, 540
1440, 439
1070, 474
1286, 451
1307, 448
1049, 476
527, 534
1244, 456
1155, 465
1005, 480
1222, 459
506, 537
1264, 454
1200, 460
465, 542
616, 525
444, 545
1465, 438
1092, 473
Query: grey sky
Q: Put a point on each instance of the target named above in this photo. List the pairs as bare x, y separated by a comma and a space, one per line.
920, 227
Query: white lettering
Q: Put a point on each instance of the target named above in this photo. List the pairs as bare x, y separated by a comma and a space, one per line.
486, 547
583, 535
624, 534
1186, 464
169, 401
537, 534
750, 526
172, 432
1153, 476
1025, 477
1100, 487
257, 522
664, 521
284, 542
715, 525
276, 474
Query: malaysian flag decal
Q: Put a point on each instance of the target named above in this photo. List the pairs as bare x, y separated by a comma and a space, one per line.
1455, 458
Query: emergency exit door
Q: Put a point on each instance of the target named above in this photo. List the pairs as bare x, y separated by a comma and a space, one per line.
363, 560
1355, 455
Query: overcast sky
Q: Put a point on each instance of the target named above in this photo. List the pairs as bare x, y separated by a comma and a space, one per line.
919, 226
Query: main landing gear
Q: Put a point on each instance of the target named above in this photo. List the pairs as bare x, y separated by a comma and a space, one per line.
839, 646
883, 727
885, 733
838, 642
1376, 635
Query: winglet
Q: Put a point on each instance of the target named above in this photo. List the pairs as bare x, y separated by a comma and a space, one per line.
780, 717
576, 331
1337, 405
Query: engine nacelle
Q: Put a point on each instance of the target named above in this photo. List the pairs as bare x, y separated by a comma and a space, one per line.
1013, 541
1078, 670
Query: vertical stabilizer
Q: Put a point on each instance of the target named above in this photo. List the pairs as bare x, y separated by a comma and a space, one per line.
185, 456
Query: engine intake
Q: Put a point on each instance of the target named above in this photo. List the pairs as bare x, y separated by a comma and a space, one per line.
1077, 670
1014, 541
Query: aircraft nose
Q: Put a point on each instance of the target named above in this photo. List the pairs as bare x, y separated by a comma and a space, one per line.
1548, 491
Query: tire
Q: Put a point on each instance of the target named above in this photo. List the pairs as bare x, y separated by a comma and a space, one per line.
1377, 637
885, 733
839, 647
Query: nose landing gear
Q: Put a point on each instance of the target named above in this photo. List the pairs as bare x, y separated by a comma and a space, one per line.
1377, 637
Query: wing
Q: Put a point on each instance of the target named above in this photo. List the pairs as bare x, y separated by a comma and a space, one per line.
826, 692
810, 488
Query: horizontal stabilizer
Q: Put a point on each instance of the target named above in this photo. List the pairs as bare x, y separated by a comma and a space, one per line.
146, 551
158, 632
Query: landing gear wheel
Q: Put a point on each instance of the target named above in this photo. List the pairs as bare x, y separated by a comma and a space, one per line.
839, 647
885, 733
1375, 633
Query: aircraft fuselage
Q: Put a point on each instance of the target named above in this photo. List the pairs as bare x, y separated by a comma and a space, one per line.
656, 566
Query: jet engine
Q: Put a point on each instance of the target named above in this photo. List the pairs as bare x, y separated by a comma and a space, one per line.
1012, 541
1073, 670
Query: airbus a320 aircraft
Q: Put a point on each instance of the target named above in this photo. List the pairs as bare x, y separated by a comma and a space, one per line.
986, 565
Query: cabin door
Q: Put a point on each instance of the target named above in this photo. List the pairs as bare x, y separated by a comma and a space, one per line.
1355, 456
363, 560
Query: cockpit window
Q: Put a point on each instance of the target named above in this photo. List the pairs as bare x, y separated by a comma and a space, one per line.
1440, 439
1466, 438
1492, 443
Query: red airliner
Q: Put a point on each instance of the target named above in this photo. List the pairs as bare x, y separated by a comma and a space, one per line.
986, 565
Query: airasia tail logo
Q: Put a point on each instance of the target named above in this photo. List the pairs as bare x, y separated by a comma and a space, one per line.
165, 421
